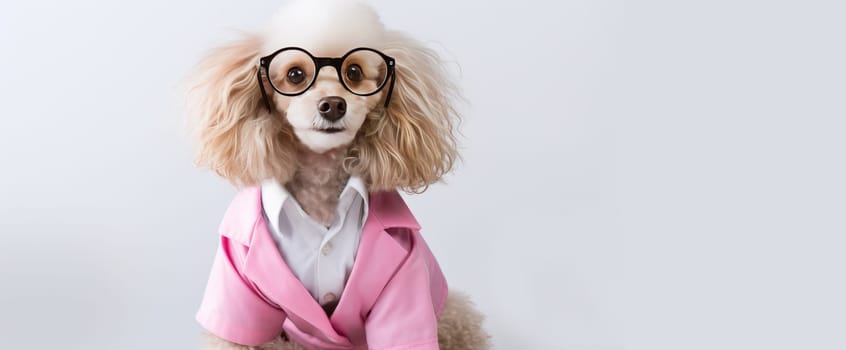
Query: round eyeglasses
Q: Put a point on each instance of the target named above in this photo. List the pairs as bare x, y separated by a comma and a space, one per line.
291, 71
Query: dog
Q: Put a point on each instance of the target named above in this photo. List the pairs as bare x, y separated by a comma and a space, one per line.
319, 120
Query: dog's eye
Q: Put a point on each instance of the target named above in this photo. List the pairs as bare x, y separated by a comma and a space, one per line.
296, 75
354, 73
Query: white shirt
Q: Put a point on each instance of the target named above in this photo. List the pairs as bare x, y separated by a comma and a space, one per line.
320, 257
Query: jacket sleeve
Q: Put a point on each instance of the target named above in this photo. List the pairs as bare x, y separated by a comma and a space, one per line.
405, 316
232, 309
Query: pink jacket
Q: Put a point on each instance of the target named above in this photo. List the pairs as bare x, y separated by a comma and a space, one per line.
392, 299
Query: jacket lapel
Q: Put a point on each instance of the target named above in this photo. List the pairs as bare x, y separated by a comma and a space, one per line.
378, 258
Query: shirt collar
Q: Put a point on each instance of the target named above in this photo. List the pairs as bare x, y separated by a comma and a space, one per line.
356, 184
245, 214
274, 195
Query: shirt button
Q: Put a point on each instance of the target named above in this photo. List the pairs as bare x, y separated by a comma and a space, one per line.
329, 297
326, 248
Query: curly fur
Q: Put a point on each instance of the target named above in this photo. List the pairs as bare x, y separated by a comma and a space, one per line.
413, 144
318, 184
460, 325
235, 136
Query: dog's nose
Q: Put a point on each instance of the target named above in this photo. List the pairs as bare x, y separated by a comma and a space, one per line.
332, 108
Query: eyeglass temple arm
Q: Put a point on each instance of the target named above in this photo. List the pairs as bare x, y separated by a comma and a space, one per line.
264, 93
391, 88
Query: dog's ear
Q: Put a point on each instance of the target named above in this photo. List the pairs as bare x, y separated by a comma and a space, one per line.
234, 133
413, 144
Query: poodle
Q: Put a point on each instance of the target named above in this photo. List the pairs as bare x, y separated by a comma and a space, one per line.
319, 120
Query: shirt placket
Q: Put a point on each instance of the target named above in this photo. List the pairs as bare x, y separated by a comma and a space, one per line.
327, 259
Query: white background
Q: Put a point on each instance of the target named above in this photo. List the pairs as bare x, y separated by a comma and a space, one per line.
640, 175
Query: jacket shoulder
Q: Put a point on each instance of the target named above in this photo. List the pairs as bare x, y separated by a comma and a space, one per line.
241, 216
391, 211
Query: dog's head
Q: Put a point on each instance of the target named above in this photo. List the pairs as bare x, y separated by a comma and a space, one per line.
325, 75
